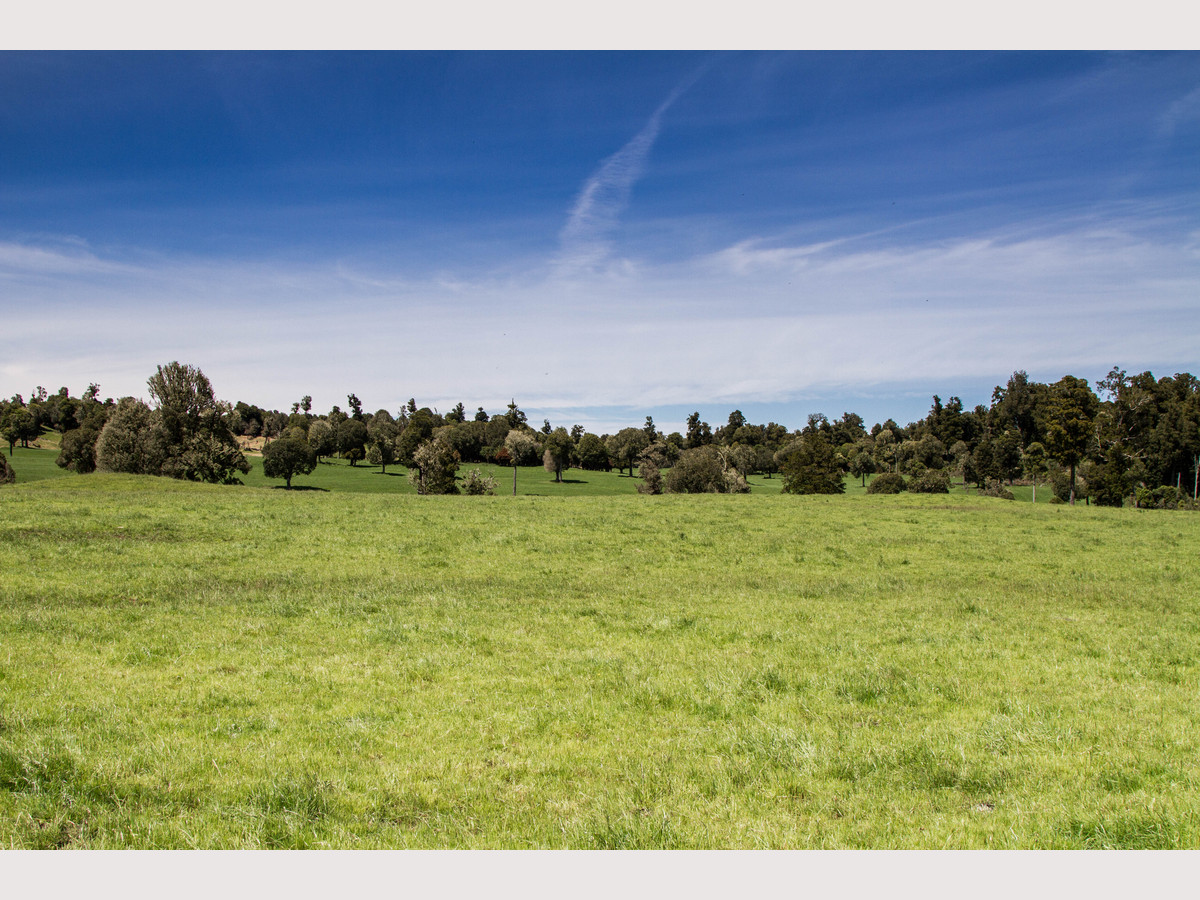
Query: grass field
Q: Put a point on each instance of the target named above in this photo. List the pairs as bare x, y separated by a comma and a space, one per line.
192, 666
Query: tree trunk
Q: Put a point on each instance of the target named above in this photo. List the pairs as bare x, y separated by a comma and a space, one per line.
288, 480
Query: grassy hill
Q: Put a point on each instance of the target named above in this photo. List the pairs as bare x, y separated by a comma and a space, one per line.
184, 665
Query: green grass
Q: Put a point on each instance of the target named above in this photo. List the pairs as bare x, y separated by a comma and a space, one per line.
193, 666
34, 464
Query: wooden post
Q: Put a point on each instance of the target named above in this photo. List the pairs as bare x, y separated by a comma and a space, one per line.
514, 481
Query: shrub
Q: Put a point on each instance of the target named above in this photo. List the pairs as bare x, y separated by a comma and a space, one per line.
702, 471
931, 481
476, 483
887, 483
652, 481
7, 475
78, 450
997, 490
1165, 497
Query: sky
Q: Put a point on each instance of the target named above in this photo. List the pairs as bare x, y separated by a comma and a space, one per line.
600, 236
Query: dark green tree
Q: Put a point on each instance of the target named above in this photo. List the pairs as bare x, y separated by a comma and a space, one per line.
1070, 414
193, 427
287, 456
381, 439
77, 452
592, 454
811, 467
626, 446
129, 442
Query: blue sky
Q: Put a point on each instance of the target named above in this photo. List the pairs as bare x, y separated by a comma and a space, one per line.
599, 235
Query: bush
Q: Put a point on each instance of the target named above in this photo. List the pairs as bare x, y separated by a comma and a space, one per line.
652, 481
1165, 497
7, 475
931, 481
887, 483
997, 490
476, 483
702, 471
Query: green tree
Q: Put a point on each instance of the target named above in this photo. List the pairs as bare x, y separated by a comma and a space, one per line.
193, 427
433, 469
698, 433
652, 480
1034, 462
811, 467
352, 440
861, 463
558, 450
522, 447
287, 456
128, 442
592, 454
18, 426
626, 446
321, 438
1070, 415
77, 452
381, 438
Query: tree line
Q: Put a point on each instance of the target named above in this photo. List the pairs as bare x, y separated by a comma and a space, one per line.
1133, 442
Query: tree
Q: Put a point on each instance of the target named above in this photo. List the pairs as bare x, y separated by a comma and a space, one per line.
287, 456
78, 449
861, 463
434, 467
522, 447
128, 442
515, 417
1071, 411
557, 455
321, 438
193, 427
811, 467
592, 454
352, 440
652, 480
1033, 461
626, 446
381, 436
698, 433
18, 426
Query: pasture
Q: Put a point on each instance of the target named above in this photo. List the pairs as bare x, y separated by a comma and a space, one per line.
228, 667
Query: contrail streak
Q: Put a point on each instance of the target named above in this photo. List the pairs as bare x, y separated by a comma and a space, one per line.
604, 196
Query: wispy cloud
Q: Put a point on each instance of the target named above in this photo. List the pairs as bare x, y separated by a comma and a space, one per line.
1184, 110
761, 321
586, 238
